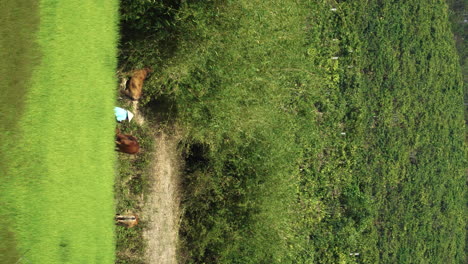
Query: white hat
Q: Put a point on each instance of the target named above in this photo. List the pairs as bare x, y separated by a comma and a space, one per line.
129, 116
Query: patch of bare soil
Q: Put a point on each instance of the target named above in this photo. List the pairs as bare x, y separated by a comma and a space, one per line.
162, 206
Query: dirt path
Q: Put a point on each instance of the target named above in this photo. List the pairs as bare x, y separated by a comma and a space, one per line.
162, 207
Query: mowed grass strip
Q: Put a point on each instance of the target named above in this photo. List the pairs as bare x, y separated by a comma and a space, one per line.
57, 185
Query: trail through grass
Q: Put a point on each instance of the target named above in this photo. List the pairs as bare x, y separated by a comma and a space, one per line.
58, 159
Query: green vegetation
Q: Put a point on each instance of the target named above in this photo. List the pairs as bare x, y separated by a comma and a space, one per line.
131, 185
57, 163
458, 17
293, 156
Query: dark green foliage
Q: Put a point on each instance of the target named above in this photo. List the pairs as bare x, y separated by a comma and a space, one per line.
293, 156
145, 17
458, 16
148, 30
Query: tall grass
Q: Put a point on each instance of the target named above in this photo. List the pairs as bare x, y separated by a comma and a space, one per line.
57, 189
294, 156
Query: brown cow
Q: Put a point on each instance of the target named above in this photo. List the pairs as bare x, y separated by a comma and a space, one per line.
127, 143
135, 84
126, 220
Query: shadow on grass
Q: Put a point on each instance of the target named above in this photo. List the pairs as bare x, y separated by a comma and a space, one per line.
8, 250
20, 54
162, 110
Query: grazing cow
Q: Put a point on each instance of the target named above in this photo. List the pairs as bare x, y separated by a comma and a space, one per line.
135, 84
128, 221
127, 143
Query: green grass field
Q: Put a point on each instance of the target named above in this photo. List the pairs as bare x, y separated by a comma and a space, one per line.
295, 157
58, 159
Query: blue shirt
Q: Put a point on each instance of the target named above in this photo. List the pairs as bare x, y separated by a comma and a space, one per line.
120, 114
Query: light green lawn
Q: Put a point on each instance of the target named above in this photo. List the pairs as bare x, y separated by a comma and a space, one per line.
58, 159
